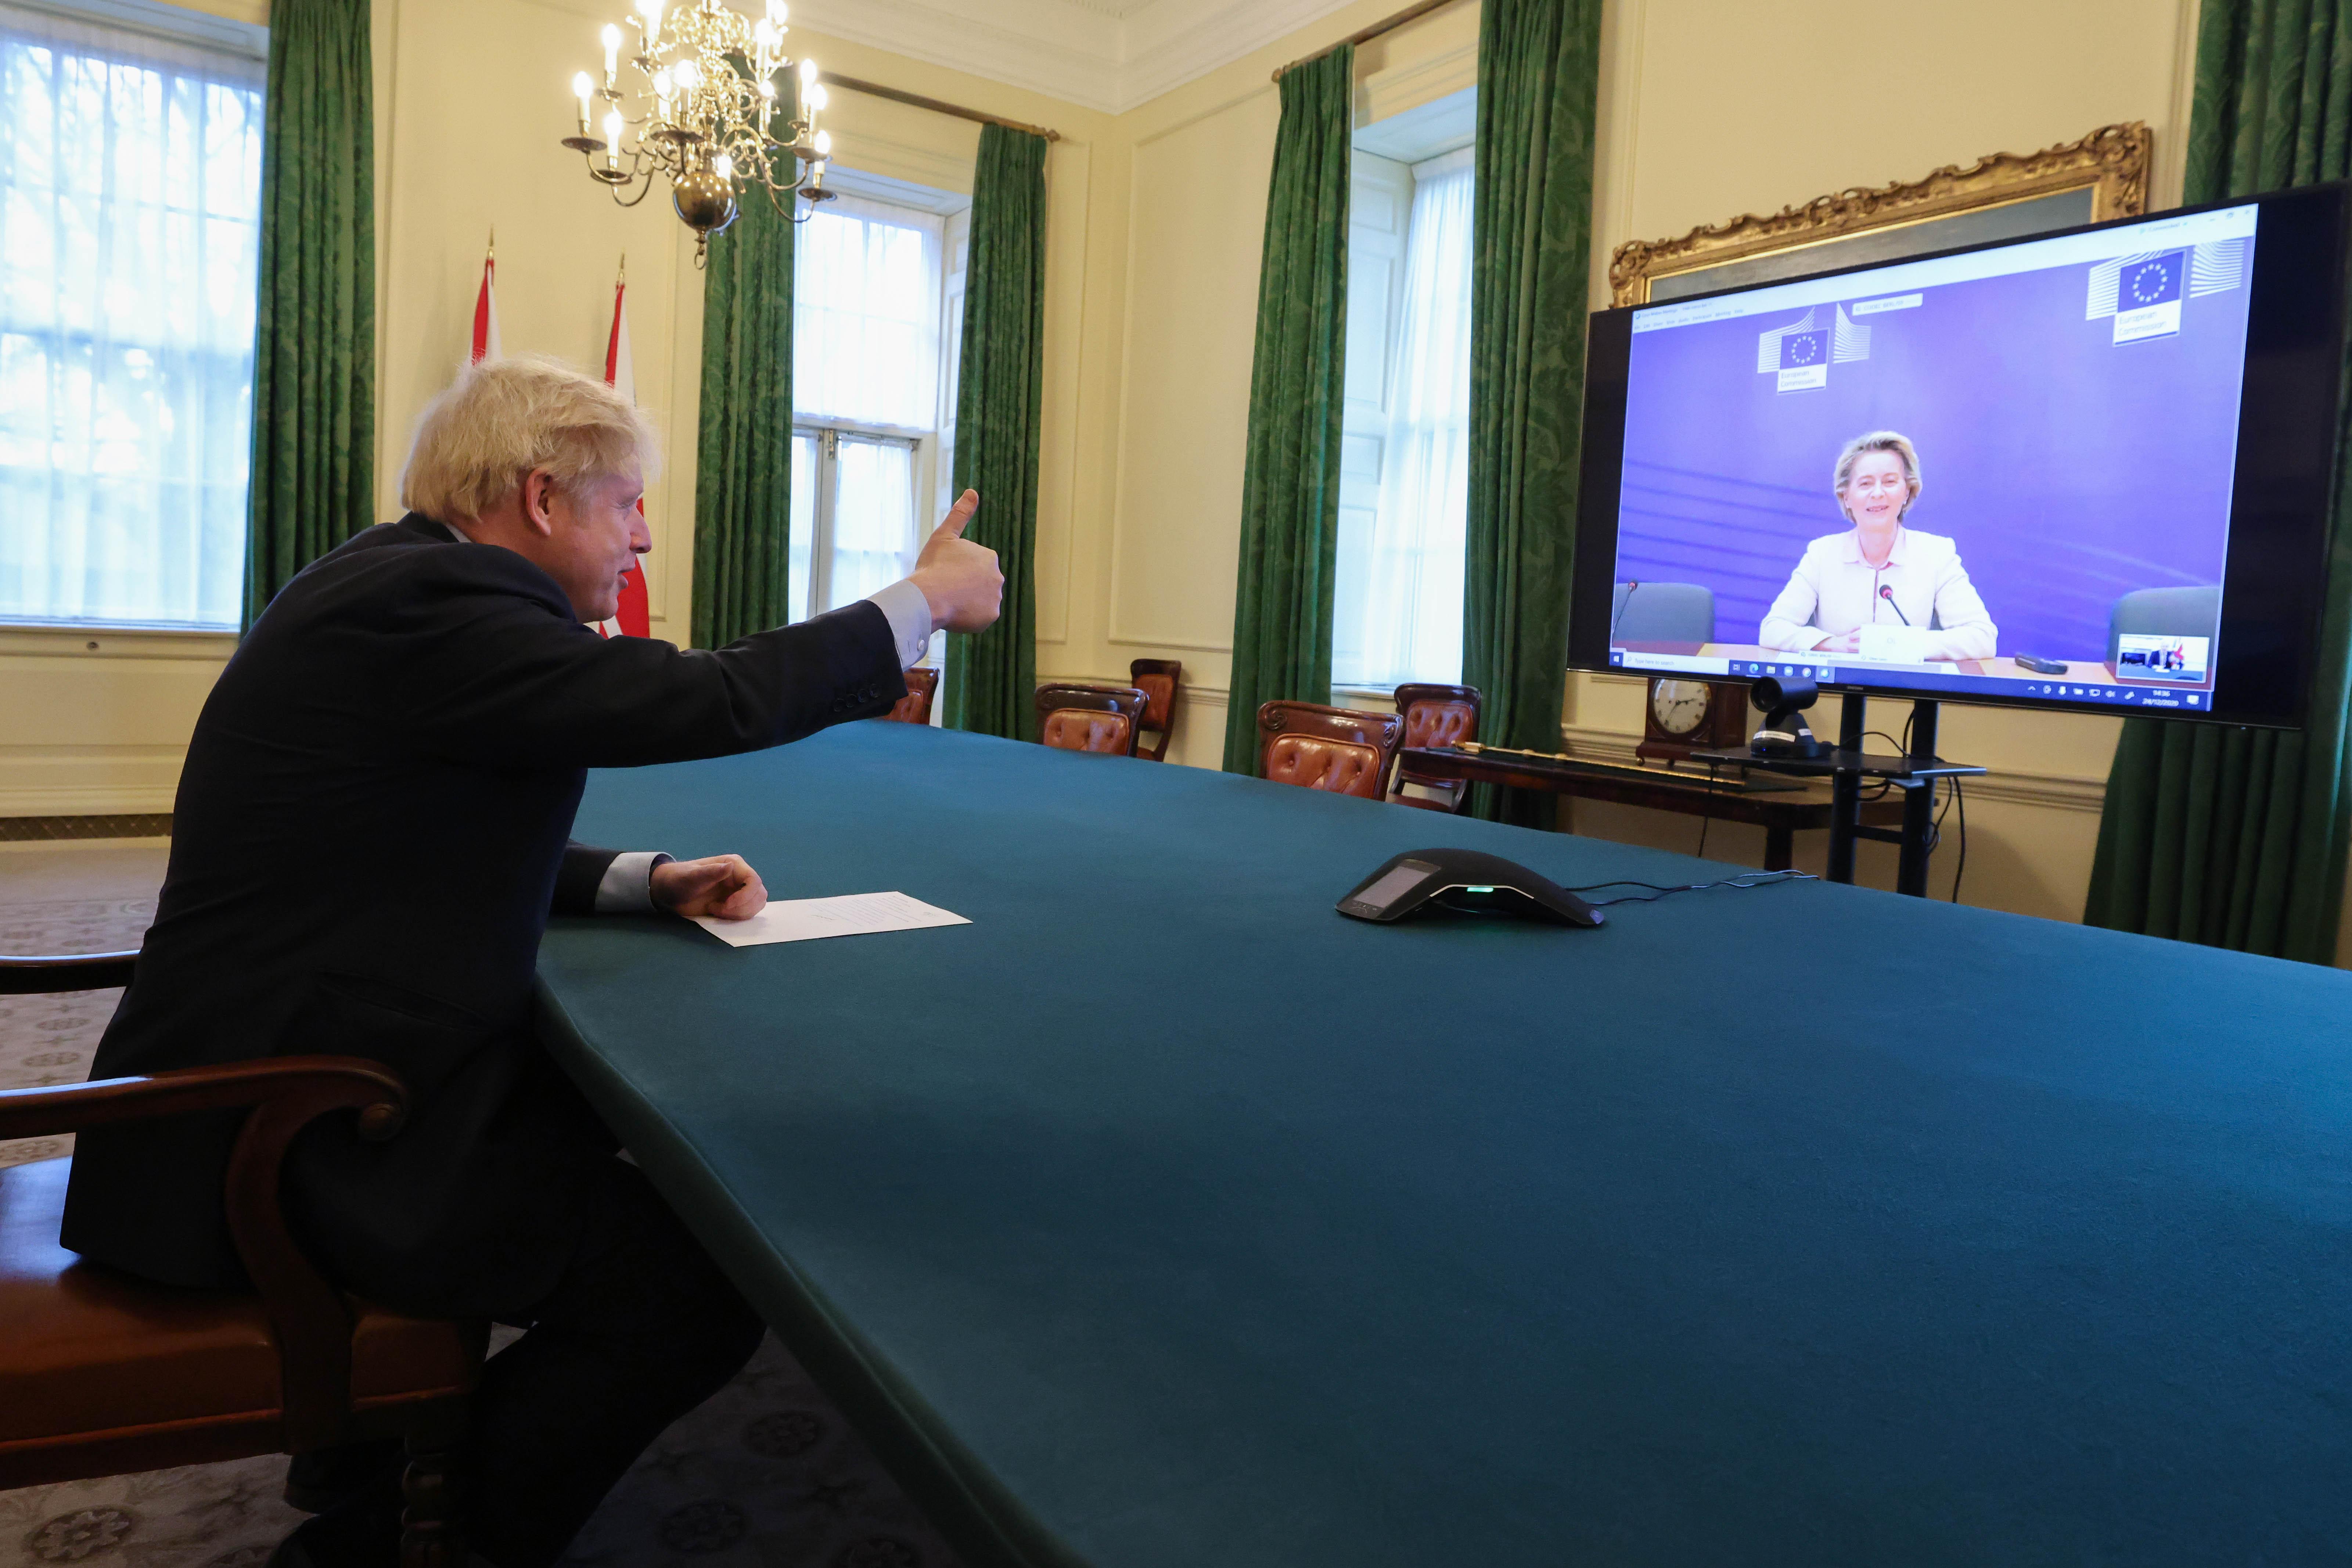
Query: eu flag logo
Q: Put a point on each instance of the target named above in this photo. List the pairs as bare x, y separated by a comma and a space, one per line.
1804, 357
1798, 354
2147, 296
2150, 282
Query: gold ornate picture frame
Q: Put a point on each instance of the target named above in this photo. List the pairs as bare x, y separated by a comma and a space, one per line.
2005, 195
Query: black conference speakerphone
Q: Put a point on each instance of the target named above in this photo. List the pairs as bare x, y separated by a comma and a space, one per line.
1467, 881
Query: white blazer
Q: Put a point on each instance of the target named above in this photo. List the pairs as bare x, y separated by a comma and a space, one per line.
1834, 591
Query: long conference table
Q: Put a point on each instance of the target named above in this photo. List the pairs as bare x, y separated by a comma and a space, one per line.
1163, 1216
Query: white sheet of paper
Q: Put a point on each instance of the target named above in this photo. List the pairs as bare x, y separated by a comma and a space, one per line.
853, 914
1895, 645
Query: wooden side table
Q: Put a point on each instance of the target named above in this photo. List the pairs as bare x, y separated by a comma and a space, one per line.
1781, 814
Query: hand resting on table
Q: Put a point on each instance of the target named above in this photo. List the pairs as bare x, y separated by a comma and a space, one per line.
723, 887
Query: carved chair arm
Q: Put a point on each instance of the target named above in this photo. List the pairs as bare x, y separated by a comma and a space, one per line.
311, 1318
30, 976
346, 1083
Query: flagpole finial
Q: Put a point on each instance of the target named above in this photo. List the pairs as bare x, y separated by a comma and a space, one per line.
494, 239
624, 266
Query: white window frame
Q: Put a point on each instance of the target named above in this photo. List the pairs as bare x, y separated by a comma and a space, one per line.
1385, 159
829, 435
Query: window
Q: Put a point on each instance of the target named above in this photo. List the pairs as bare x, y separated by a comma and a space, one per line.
130, 232
869, 297
1405, 463
853, 516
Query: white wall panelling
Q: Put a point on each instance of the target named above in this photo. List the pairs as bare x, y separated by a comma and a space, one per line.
1196, 222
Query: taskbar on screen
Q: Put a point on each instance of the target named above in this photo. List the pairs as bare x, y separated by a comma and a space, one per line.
2057, 689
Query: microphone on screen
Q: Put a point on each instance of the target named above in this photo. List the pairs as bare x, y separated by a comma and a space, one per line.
1886, 591
1621, 609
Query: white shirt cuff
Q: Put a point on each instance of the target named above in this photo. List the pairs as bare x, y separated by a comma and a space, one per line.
628, 885
910, 620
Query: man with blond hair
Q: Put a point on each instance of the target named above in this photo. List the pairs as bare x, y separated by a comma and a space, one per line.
373, 826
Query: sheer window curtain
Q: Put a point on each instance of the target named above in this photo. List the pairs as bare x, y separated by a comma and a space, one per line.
874, 538
129, 227
1409, 617
866, 354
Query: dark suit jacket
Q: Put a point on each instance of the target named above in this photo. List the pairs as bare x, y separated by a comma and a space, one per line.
371, 829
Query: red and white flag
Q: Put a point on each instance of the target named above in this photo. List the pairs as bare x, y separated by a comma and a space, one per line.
634, 618
486, 309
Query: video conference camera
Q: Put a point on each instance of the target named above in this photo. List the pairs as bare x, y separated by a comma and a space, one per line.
1784, 699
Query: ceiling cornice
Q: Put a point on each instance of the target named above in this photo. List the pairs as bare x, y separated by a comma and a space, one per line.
1105, 55
1170, 42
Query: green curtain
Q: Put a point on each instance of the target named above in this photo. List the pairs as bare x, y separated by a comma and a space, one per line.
991, 677
2236, 837
313, 479
743, 455
1290, 487
1539, 77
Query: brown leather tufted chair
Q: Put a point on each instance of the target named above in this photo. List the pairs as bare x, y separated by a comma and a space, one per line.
1160, 680
101, 1373
915, 708
1343, 750
1436, 716
1090, 718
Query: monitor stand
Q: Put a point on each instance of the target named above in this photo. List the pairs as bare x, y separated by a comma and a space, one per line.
1847, 764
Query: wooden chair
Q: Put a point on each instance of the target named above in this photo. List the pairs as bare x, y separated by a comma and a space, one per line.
1090, 718
915, 708
1436, 716
101, 1373
68, 972
1343, 750
1160, 680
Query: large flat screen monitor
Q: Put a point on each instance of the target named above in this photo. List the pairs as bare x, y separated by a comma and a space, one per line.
2087, 470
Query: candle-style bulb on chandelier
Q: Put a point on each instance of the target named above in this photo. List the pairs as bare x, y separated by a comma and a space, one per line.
700, 110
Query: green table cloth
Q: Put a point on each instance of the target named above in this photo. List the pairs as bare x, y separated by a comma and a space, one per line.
1162, 1215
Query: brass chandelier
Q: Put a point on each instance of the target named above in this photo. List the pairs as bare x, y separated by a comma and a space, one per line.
704, 116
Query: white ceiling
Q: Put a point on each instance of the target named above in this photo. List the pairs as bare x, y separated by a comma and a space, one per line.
1109, 54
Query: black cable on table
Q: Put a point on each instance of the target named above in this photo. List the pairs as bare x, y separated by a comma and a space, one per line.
1658, 891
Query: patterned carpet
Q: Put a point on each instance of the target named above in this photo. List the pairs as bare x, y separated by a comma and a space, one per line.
766, 1475
49, 1039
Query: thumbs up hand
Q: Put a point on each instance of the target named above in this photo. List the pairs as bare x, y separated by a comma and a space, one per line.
960, 579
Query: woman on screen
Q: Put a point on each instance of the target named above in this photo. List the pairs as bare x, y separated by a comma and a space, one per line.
1879, 572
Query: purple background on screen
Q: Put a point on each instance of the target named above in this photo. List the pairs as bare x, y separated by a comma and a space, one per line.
2070, 470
